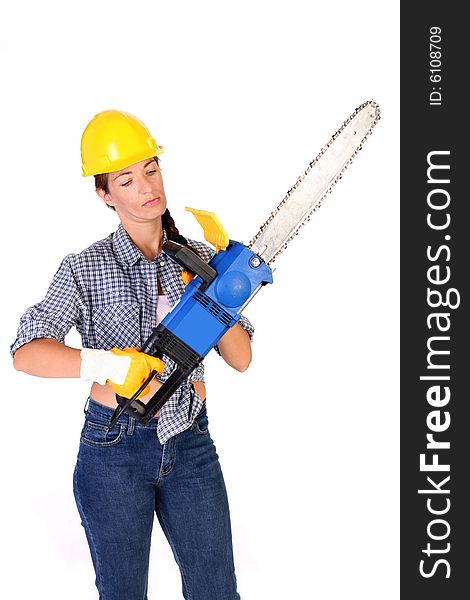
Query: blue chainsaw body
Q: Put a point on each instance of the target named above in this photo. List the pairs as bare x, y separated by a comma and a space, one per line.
209, 307
201, 318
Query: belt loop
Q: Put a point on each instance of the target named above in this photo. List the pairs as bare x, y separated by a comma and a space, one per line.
131, 426
85, 408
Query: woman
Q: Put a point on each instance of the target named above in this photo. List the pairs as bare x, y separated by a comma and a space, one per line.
114, 293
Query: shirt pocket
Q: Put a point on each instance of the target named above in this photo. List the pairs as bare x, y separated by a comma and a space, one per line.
117, 325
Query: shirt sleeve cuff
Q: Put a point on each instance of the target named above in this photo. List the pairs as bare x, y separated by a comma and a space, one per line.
33, 330
247, 326
197, 374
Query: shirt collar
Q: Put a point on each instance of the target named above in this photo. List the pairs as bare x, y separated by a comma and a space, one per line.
125, 249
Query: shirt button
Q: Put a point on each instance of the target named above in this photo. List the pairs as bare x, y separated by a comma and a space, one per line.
162, 263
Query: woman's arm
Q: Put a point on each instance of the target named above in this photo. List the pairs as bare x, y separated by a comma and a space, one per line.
235, 348
46, 357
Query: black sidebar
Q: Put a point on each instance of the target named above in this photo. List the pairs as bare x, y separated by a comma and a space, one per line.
435, 297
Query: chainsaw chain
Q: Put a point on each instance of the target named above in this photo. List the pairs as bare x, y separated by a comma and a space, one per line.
373, 107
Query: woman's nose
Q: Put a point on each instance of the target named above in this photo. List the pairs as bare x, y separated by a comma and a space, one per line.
144, 185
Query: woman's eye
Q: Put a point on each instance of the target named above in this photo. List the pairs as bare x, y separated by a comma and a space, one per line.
126, 183
151, 172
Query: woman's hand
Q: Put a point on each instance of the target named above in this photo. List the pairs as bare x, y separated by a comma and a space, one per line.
140, 367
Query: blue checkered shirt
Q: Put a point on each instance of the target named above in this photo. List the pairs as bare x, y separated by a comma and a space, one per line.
109, 293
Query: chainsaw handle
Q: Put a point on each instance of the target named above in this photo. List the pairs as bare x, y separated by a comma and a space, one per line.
190, 261
163, 394
131, 405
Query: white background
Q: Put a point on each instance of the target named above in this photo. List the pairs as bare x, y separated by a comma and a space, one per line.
242, 95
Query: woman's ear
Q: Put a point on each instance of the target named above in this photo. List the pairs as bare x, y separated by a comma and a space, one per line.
105, 196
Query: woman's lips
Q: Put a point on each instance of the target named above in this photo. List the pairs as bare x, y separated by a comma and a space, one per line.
152, 202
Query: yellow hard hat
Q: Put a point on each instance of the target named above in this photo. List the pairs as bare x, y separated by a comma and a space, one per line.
113, 140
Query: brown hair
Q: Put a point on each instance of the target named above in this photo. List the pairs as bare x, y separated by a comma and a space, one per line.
172, 233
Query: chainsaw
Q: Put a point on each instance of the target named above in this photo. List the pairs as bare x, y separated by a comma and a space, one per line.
219, 291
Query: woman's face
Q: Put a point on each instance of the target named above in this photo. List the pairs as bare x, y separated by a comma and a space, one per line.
136, 192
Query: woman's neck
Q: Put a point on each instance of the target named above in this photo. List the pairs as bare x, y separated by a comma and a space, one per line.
147, 237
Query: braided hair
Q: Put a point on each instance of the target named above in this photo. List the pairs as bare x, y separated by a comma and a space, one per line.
173, 234
171, 230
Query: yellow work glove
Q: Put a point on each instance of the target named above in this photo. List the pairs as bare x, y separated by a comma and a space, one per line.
139, 369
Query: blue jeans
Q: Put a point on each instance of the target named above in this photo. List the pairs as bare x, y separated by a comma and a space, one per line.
125, 475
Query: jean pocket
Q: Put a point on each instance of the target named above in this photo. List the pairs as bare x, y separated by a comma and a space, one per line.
201, 423
97, 434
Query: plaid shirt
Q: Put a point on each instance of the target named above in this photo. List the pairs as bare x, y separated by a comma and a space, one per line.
109, 293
